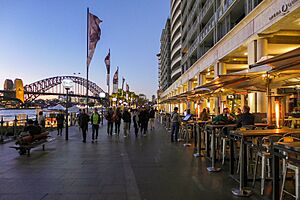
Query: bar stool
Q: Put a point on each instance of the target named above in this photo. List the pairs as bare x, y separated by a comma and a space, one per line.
290, 165
265, 155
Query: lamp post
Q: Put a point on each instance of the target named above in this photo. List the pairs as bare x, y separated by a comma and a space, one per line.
102, 96
67, 84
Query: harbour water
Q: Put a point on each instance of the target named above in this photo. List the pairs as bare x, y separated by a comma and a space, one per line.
10, 114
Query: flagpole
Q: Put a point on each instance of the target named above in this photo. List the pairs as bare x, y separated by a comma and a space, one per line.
87, 66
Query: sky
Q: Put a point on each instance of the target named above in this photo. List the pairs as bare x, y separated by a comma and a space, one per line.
45, 38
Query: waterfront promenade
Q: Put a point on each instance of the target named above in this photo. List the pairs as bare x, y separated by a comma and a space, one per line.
147, 168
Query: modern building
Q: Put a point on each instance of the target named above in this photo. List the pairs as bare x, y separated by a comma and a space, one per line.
165, 57
175, 20
221, 37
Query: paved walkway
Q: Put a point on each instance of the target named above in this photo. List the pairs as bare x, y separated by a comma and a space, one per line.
147, 168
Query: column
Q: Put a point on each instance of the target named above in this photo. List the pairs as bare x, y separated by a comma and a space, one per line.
219, 69
189, 88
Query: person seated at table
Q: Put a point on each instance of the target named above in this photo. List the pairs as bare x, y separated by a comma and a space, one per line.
204, 115
238, 113
246, 118
224, 118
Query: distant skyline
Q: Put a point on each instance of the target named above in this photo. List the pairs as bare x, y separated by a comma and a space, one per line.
41, 39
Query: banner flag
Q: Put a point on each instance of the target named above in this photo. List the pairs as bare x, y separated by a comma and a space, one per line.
116, 81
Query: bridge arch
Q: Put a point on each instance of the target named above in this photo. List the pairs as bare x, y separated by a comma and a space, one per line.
48, 83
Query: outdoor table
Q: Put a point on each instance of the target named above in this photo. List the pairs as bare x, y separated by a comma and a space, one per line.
261, 125
294, 148
242, 135
213, 128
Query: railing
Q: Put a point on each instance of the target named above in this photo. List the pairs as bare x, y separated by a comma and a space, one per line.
184, 58
192, 13
194, 46
193, 29
223, 9
207, 28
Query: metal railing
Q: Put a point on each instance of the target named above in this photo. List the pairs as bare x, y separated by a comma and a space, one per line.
207, 28
223, 9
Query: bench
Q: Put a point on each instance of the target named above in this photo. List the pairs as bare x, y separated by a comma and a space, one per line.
25, 149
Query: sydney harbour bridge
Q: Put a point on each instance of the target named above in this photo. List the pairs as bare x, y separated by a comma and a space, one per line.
51, 86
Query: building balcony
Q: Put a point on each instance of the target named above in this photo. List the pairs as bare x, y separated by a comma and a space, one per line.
175, 7
184, 59
192, 13
207, 28
193, 29
205, 9
175, 72
193, 46
224, 8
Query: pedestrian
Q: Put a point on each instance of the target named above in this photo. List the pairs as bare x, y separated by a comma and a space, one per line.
151, 118
84, 121
135, 122
126, 116
78, 120
60, 119
144, 117
117, 119
130, 120
95, 119
175, 120
41, 120
110, 121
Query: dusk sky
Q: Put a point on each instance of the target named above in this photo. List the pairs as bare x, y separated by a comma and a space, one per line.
40, 39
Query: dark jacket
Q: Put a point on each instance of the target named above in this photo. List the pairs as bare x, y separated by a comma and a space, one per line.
84, 120
109, 116
152, 114
143, 116
33, 130
245, 119
60, 118
126, 116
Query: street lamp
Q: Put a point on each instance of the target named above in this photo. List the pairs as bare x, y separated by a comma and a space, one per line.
67, 84
102, 95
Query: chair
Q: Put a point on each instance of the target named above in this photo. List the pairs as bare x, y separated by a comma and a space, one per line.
264, 153
290, 165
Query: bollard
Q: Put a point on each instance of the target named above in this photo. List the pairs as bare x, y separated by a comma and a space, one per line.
198, 146
15, 127
2, 139
187, 136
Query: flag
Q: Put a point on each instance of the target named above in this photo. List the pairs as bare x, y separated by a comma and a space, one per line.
127, 87
115, 81
107, 62
94, 33
123, 80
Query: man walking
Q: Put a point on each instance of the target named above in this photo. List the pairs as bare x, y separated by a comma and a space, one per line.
110, 121
126, 118
84, 120
151, 118
175, 120
60, 118
95, 119
144, 117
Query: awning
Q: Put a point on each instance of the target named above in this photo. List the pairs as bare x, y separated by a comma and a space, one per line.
288, 62
229, 81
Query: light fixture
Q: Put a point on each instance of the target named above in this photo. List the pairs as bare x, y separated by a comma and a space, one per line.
246, 53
